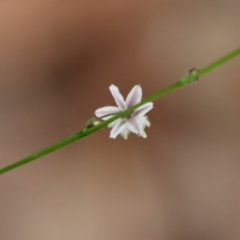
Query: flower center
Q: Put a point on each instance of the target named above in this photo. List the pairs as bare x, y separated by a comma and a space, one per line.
129, 115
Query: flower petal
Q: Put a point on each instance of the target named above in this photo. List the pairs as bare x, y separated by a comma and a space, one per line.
112, 124
118, 97
100, 112
132, 125
139, 123
142, 134
141, 111
145, 121
117, 129
135, 96
125, 133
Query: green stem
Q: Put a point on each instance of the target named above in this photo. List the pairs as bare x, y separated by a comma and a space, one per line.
39, 154
87, 131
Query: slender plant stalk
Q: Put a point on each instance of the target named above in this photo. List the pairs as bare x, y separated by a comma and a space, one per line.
89, 130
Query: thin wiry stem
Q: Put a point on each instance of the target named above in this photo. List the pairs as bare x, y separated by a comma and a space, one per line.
89, 129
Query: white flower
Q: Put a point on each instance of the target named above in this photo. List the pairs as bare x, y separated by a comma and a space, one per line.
134, 122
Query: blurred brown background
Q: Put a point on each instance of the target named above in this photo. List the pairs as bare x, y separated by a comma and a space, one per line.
57, 60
